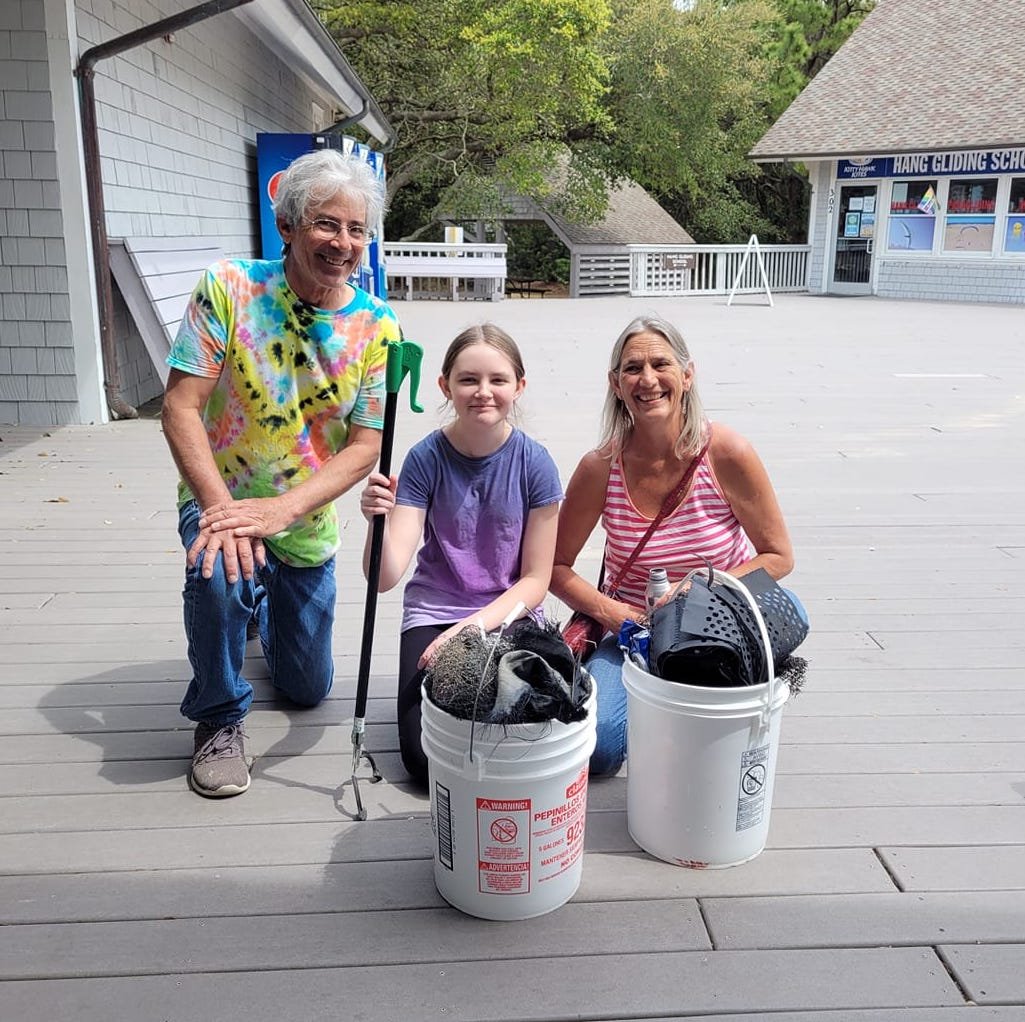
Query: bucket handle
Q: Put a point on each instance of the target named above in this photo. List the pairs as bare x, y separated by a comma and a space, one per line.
735, 583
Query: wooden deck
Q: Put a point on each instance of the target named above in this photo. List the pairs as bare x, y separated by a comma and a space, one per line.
893, 885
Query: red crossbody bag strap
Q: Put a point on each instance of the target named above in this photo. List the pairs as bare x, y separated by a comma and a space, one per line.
667, 506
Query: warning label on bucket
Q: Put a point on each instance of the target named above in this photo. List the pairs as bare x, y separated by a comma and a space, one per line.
503, 845
751, 797
559, 830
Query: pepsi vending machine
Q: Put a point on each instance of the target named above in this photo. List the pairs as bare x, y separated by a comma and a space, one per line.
274, 152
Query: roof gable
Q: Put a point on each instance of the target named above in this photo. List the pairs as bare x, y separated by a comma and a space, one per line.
633, 217
915, 76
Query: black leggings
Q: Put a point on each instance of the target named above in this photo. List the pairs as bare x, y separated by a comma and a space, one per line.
412, 644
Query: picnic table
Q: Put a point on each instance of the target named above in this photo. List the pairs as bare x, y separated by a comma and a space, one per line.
526, 287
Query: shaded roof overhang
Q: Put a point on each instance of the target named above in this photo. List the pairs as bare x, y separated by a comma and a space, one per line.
297, 36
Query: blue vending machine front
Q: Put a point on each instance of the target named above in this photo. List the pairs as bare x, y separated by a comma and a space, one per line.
274, 152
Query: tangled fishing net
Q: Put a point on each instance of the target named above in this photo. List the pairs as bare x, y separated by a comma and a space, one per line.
525, 675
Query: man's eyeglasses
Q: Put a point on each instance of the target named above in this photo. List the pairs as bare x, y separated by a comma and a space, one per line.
328, 229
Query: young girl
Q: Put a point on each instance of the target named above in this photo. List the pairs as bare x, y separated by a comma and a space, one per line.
485, 499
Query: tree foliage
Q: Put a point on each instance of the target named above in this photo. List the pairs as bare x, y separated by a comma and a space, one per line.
488, 97
478, 91
687, 104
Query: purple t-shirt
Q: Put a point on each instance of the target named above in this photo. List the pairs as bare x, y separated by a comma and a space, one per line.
476, 515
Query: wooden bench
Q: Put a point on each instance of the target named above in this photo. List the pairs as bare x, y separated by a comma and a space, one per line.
157, 276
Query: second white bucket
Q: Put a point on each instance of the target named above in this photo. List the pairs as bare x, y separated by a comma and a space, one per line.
508, 824
701, 765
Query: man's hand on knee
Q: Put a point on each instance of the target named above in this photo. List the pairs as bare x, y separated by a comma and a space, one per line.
254, 517
240, 554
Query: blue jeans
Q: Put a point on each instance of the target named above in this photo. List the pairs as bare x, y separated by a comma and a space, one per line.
294, 609
606, 667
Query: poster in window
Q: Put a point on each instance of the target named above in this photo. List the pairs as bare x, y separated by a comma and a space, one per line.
857, 202
910, 234
969, 234
870, 204
852, 225
868, 225
1014, 239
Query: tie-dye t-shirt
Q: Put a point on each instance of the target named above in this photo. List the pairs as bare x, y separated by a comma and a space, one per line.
291, 378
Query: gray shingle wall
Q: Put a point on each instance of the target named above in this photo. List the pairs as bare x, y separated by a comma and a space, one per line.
178, 123
983, 281
177, 129
821, 179
37, 365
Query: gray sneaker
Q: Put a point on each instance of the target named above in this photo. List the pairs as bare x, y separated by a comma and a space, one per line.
219, 766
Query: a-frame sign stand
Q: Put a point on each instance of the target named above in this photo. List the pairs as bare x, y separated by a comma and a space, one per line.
752, 246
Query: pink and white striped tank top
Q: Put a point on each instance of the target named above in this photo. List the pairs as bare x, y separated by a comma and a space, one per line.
702, 528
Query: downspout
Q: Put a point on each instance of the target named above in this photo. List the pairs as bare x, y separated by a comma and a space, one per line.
85, 72
365, 101
354, 118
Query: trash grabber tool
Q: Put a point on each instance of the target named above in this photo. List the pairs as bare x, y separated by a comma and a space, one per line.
403, 357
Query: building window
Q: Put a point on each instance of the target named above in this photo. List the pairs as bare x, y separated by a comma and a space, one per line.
1014, 234
912, 216
971, 215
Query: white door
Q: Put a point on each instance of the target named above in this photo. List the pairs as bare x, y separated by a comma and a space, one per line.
854, 241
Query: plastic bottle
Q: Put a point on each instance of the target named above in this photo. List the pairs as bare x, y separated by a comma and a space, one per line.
658, 586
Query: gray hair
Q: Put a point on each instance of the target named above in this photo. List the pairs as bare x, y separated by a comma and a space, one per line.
323, 174
616, 421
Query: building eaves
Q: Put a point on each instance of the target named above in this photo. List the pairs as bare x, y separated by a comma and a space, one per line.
916, 76
292, 30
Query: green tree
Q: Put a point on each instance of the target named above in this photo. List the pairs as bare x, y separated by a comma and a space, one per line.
808, 33
688, 102
481, 93
696, 85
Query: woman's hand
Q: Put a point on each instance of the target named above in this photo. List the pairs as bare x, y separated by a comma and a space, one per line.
378, 496
618, 613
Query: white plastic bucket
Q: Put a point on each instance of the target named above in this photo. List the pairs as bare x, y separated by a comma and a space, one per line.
701, 764
508, 824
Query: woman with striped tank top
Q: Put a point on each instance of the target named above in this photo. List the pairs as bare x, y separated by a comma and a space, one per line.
652, 430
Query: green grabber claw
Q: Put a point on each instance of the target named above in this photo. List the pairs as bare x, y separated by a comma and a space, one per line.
404, 357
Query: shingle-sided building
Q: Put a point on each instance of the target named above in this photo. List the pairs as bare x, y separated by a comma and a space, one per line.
177, 119
914, 137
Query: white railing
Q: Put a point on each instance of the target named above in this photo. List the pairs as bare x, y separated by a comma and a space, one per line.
671, 270
417, 270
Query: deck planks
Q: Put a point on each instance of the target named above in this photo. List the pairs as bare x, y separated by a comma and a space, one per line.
892, 886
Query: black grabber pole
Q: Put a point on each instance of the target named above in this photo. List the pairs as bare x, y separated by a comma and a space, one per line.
403, 357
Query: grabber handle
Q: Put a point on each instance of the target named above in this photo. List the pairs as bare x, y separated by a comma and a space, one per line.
404, 357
